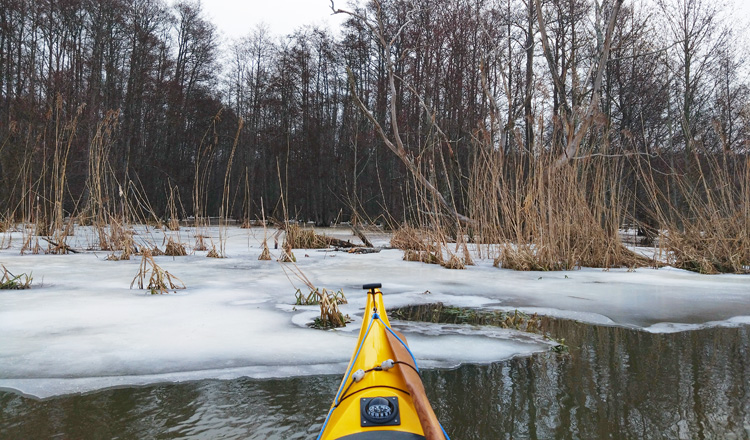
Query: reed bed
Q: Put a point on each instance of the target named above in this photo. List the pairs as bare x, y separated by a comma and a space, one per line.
699, 206
298, 237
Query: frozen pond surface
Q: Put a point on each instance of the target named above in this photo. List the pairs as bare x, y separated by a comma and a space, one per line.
81, 328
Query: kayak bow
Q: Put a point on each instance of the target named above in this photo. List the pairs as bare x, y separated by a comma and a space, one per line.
381, 396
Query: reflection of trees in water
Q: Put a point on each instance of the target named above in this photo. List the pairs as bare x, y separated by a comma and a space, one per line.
616, 383
236, 409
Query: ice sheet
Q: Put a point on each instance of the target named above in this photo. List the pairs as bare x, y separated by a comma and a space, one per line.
81, 328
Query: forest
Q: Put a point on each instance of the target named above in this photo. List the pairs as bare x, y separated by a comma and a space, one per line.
548, 124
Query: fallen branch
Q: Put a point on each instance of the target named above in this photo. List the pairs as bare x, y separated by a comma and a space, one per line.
361, 235
61, 246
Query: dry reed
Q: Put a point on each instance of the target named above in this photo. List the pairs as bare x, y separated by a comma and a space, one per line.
287, 256
200, 245
174, 249
159, 280
301, 238
265, 255
544, 217
700, 206
8, 281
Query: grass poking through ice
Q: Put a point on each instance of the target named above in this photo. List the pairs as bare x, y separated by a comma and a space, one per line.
8, 281
159, 280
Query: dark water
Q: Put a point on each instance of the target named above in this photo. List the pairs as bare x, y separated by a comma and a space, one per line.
615, 383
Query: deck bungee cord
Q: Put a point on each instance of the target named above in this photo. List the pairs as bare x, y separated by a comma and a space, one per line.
380, 409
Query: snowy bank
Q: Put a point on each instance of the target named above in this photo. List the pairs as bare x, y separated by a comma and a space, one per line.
81, 328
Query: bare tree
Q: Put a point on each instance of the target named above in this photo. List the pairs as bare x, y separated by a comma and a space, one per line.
577, 120
395, 142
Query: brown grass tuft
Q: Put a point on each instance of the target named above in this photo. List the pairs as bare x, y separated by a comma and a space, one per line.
301, 238
200, 245
174, 249
287, 256
410, 238
159, 280
454, 263
8, 281
701, 207
422, 257
328, 300
266, 254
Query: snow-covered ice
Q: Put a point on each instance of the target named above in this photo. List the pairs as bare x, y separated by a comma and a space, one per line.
81, 328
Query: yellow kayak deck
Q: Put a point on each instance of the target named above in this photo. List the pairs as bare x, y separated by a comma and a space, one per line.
381, 395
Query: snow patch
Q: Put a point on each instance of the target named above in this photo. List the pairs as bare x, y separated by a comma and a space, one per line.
82, 328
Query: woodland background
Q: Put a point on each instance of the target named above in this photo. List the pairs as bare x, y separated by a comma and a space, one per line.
112, 103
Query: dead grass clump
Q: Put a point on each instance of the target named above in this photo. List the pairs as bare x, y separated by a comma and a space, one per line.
8, 281
120, 238
330, 316
173, 224
301, 238
409, 238
200, 245
287, 256
266, 254
159, 280
174, 249
422, 256
718, 247
462, 244
122, 256
412, 255
523, 257
313, 298
454, 263
213, 253
31, 245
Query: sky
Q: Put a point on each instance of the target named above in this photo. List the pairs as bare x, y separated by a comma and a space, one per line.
235, 18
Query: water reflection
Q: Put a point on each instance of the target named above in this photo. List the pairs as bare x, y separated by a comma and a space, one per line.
615, 383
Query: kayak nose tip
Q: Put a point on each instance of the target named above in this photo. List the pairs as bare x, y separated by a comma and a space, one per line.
372, 286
